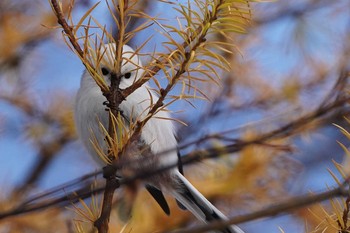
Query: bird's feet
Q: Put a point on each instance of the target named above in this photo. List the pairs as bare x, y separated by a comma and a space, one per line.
110, 106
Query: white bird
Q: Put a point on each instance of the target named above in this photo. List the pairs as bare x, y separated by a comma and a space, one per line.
158, 133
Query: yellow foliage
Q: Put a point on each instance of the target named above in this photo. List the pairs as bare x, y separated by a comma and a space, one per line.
322, 219
332, 217
147, 216
18, 28
38, 222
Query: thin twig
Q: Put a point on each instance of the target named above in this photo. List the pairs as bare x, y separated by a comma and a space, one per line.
67, 199
282, 207
66, 28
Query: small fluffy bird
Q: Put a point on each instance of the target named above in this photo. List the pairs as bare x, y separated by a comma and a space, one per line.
158, 134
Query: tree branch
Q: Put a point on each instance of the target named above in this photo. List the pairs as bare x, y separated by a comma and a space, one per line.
66, 28
288, 205
114, 97
111, 185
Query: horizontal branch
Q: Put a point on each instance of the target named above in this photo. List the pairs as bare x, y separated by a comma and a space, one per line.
282, 207
62, 201
236, 146
188, 159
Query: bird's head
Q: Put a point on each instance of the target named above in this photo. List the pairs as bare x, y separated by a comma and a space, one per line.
131, 66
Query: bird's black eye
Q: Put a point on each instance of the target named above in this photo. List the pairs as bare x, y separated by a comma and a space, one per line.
127, 75
104, 70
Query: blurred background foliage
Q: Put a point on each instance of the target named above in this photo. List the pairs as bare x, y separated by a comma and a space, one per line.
288, 83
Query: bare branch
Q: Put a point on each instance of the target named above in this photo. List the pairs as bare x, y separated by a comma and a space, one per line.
286, 206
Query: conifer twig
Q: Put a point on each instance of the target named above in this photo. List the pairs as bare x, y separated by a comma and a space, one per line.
195, 39
114, 99
66, 28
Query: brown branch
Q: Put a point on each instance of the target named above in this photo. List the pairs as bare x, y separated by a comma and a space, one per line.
62, 201
111, 185
285, 206
345, 216
66, 28
114, 98
190, 158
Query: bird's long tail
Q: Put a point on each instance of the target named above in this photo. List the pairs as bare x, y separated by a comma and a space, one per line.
195, 202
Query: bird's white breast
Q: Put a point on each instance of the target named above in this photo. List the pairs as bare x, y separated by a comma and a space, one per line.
158, 132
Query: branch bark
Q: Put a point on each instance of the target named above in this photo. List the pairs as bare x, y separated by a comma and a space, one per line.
111, 185
66, 28
114, 98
